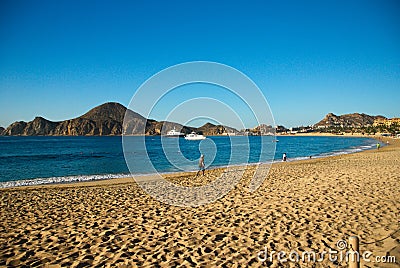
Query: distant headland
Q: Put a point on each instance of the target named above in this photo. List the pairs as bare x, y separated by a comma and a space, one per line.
107, 120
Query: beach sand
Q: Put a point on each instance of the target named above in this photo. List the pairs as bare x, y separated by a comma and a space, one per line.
301, 206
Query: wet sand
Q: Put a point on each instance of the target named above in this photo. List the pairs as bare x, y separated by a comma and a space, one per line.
302, 206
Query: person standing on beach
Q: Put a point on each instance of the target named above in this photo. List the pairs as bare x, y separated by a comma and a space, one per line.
284, 158
202, 166
378, 145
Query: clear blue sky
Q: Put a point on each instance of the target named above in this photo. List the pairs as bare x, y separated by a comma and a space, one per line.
58, 59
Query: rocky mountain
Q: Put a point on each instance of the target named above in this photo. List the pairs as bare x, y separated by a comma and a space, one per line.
104, 120
354, 120
211, 129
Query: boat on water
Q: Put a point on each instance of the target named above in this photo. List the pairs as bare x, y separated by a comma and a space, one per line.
174, 134
194, 137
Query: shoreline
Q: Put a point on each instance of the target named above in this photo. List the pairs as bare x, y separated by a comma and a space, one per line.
322, 134
79, 179
84, 180
301, 206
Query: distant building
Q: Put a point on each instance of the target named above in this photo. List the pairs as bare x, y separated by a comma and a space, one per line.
229, 133
281, 129
301, 129
386, 122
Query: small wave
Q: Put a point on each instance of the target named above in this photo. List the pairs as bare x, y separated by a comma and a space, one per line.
75, 156
53, 180
350, 150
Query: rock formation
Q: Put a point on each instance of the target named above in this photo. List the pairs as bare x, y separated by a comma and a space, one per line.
354, 120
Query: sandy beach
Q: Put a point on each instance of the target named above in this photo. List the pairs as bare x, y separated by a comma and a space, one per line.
301, 206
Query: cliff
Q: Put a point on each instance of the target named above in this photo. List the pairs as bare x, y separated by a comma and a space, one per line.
354, 120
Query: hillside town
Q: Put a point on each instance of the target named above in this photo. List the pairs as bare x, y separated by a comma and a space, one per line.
351, 124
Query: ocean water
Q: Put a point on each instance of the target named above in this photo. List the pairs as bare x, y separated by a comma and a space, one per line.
38, 160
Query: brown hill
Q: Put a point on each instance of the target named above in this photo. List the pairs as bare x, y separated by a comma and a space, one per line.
209, 129
16, 128
39, 126
107, 111
354, 120
105, 119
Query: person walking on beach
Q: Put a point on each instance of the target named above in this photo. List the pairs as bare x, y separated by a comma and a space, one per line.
284, 157
202, 166
378, 145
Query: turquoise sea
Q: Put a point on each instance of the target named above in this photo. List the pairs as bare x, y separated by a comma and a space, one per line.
38, 160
